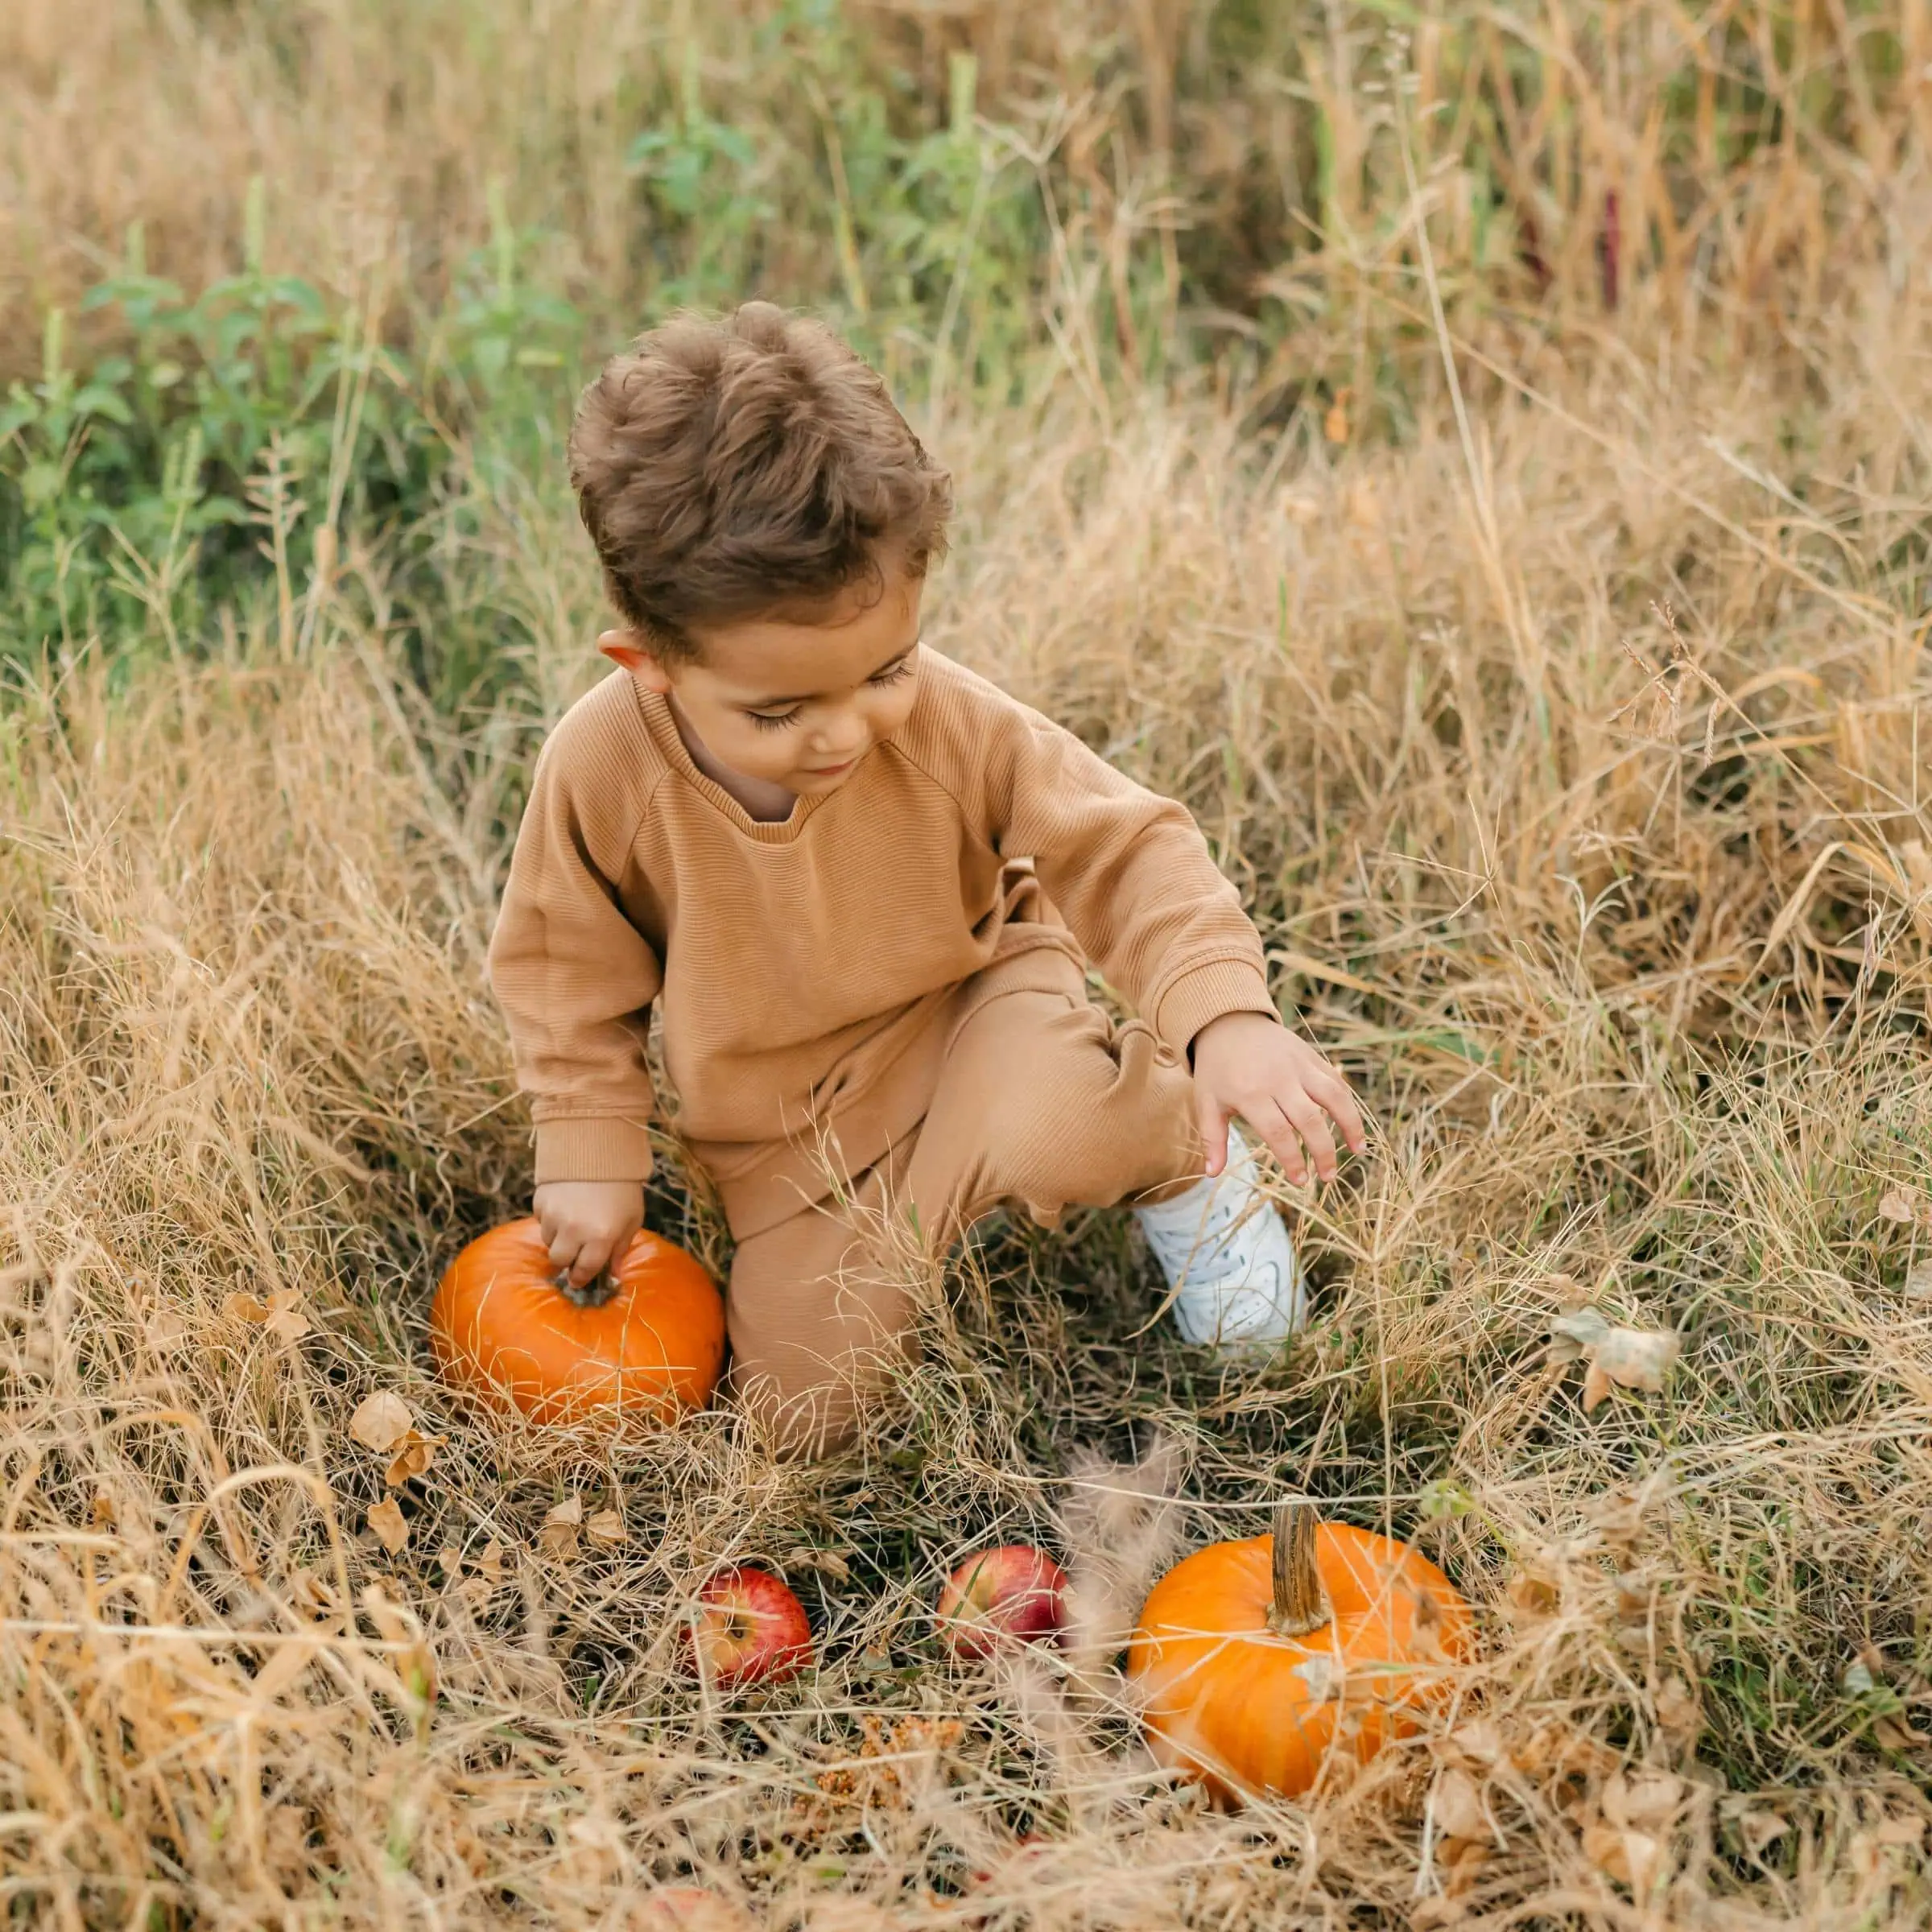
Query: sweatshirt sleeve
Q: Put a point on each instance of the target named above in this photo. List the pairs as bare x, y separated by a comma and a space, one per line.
574, 976
1130, 873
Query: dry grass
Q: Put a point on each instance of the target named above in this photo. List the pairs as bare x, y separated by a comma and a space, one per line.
1619, 919
1203, 163
1571, 755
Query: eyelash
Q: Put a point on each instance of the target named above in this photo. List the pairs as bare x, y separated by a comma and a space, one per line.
898, 673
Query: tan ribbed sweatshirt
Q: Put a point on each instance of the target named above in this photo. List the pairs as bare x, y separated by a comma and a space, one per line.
807, 973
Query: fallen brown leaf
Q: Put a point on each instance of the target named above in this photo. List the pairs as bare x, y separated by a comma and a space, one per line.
1679, 1710
1873, 1850
285, 1322
1641, 1800
487, 1579
1637, 1358
1632, 1858
1898, 1206
1477, 1745
1560, 1746
558, 1537
390, 1528
1631, 1358
240, 1308
380, 1421
1761, 1830
166, 1330
1575, 1333
1457, 1805
606, 1529
827, 1563
1534, 1594
310, 1592
1464, 1859
1617, 1516
413, 1456
1894, 1733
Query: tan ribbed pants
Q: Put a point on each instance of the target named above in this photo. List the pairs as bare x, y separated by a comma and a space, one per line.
1041, 1102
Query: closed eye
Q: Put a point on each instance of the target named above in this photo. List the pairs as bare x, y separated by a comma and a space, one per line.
894, 673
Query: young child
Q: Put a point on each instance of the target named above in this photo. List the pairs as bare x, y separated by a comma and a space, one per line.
861, 885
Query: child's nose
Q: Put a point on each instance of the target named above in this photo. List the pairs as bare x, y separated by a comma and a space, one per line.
841, 738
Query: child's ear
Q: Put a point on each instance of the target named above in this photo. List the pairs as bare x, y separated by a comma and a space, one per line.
629, 648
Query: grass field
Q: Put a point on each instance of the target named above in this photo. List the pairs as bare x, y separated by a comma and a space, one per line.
1537, 629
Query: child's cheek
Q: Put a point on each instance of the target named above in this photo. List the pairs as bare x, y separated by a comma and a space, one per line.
893, 708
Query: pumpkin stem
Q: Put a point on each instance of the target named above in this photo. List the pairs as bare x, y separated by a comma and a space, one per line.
601, 1287
1300, 1604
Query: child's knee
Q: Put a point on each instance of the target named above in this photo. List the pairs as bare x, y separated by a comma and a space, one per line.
1092, 1117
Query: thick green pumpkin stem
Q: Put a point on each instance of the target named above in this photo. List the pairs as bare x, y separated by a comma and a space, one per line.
1300, 1604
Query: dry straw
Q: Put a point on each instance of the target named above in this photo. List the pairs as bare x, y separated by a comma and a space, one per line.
1193, 161
1620, 923
1573, 770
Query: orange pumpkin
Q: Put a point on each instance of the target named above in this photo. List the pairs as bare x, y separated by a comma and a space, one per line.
1255, 1661
648, 1340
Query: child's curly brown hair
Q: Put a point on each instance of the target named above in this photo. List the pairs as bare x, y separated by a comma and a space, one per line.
746, 467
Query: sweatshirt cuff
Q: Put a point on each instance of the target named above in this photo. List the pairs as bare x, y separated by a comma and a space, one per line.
1207, 992
609, 1150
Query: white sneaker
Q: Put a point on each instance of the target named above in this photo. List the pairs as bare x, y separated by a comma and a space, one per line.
1224, 1247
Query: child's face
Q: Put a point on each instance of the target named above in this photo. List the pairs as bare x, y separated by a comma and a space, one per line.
793, 705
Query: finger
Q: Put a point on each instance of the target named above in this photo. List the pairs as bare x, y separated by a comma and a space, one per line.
1335, 1095
592, 1258
1270, 1120
1309, 1124
1211, 1118
563, 1246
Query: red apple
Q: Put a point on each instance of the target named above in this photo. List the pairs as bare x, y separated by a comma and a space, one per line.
1013, 1594
750, 1629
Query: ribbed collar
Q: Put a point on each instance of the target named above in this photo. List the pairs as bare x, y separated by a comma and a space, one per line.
655, 709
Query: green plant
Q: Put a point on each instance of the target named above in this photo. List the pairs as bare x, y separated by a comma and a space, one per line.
205, 459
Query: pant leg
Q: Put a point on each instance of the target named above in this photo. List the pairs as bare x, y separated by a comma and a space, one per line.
818, 1311
1042, 1101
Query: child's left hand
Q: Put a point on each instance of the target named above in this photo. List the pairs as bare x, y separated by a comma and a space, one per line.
1248, 1064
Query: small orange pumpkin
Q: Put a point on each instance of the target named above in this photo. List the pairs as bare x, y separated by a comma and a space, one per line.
1255, 1661
646, 1340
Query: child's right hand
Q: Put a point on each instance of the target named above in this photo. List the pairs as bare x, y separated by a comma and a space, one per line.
587, 1224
